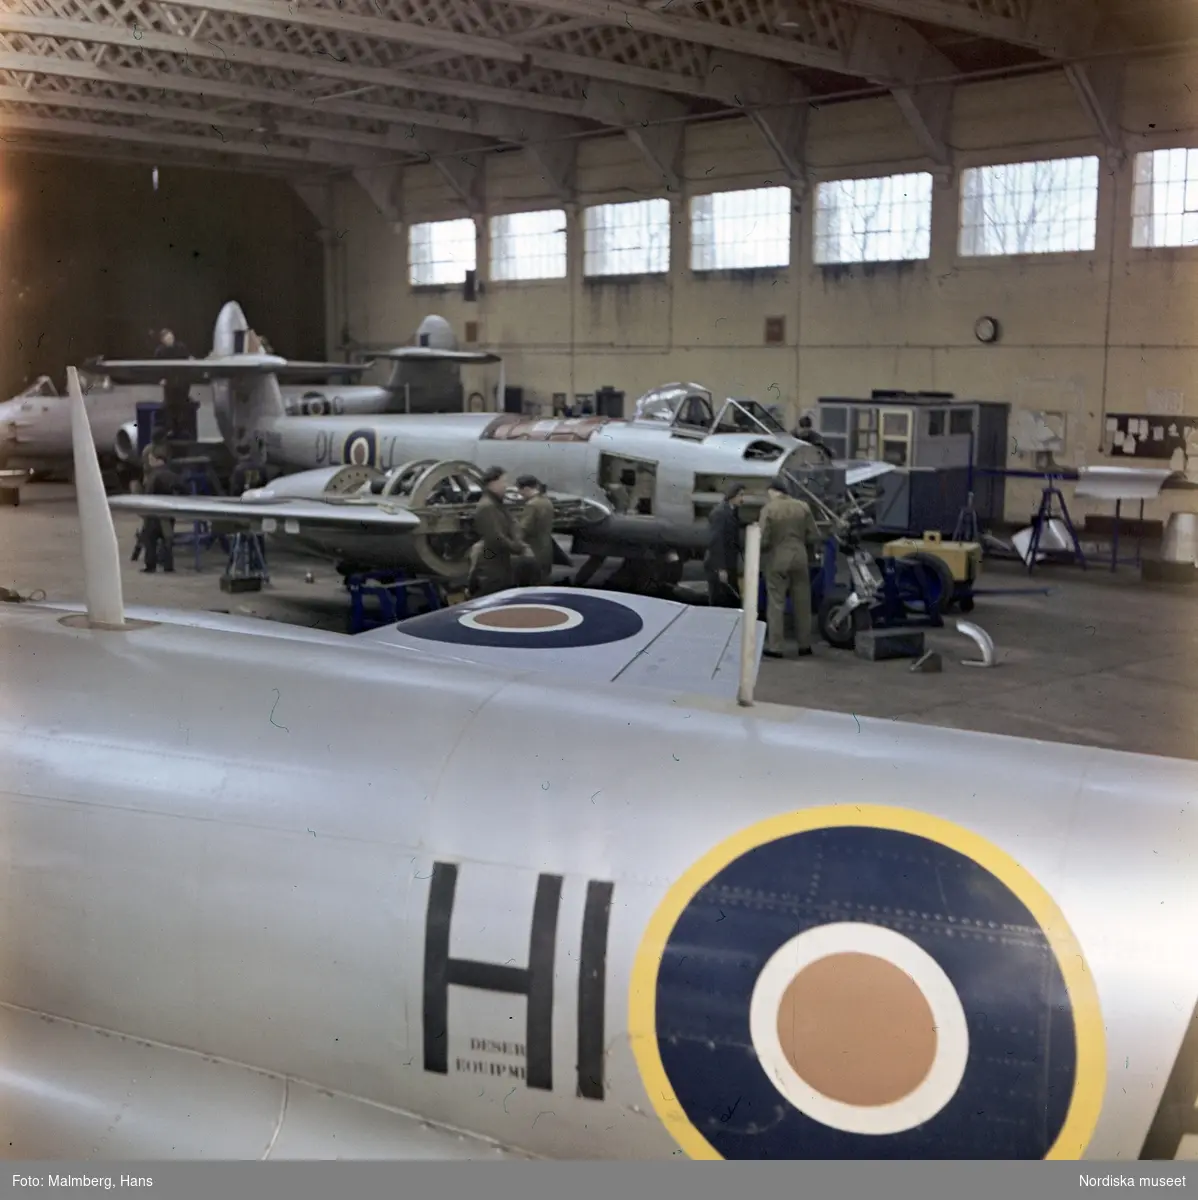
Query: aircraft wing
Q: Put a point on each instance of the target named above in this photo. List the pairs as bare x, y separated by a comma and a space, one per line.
431, 354
255, 512
186, 370
858, 471
304, 372
586, 636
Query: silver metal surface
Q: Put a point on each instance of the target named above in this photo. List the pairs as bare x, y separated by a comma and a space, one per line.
69, 1091
680, 648
748, 617
418, 516
1121, 483
261, 870
1180, 541
101, 555
681, 469
221, 894
983, 641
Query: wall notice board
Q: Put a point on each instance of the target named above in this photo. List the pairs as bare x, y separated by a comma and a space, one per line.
1140, 436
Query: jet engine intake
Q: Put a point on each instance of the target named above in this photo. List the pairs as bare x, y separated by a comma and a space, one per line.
125, 444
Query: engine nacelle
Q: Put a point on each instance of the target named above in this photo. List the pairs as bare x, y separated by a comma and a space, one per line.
125, 445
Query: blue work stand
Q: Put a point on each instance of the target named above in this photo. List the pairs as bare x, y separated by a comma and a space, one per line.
392, 591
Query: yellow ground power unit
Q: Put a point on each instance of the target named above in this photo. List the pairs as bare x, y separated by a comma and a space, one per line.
963, 559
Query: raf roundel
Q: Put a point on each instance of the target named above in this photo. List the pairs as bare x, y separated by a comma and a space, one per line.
360, 449
542, 620
866, 982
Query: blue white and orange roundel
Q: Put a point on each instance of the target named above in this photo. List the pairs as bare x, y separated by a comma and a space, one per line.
866, 982
536, 621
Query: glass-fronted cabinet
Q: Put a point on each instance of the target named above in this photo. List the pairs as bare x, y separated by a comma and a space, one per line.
941, 448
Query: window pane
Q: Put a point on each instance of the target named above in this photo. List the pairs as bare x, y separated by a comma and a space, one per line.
530, 245
832, 420
627, 239
874, 220
741, 230
441, 252
1165, 199
1045, 207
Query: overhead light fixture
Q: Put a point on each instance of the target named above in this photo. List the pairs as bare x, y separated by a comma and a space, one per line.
154, 178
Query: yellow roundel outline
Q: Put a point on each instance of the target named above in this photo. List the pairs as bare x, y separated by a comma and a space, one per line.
1090, 1082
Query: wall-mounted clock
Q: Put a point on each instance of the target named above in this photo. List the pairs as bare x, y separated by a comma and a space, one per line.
986, 329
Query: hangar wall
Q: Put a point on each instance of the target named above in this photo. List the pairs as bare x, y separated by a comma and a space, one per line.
92, 258
1082, 333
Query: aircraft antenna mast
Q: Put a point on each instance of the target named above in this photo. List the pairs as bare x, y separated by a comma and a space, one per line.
748, 624
101, 552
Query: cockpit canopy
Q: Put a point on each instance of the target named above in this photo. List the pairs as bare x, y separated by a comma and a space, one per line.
690, 407
747, 416
43, 386
673, 401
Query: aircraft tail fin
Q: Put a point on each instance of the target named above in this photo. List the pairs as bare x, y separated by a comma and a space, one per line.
244, 407
230, 322
101, 553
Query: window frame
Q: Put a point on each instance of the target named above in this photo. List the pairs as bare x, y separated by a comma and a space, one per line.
603, 277
1156, 251
847, 175
986, 261
527, 280
428, 287
717, 272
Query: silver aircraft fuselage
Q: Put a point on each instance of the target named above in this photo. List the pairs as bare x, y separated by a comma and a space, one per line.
253, 903
682, 477
35, 427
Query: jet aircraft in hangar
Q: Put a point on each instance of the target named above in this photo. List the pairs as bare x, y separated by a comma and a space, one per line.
473, 886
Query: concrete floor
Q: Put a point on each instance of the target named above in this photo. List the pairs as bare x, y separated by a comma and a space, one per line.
1101, 660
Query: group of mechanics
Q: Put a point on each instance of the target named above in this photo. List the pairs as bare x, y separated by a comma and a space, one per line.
516, 550
511, 551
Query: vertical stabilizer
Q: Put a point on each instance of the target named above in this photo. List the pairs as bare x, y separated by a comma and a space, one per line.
230, 321
101, 554
251, 407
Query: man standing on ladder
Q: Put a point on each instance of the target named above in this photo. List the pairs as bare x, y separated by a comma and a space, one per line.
176, 397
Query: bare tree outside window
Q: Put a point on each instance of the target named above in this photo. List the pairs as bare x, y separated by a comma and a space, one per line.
627, 239
1045, 207
885, 219
529, 245
441, 252
741, 230
1164, 201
